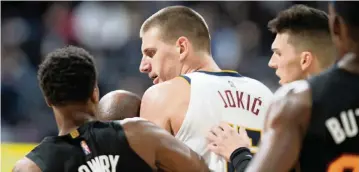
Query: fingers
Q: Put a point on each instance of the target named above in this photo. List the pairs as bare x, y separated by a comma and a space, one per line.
213, 147
217, 131
242, 130
223, 131
211, 137
225, 126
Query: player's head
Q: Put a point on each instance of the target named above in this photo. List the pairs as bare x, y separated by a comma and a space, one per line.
67, 76
344, 25
303, 45
169, 38
118, 105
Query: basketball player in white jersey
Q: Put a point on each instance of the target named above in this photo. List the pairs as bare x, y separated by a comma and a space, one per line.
191, 93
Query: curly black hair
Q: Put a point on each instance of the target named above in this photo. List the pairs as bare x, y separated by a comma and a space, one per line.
67, 75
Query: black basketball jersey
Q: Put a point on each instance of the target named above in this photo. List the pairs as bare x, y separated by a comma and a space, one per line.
95, 146
332, 140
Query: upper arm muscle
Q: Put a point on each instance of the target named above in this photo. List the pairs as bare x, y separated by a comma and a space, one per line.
182, 158
164, 105
153, 106
162, 150
26, 165
285, 126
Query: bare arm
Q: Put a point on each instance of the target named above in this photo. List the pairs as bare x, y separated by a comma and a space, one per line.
165, 104
162, 150
153, 107
285, 128
26, 165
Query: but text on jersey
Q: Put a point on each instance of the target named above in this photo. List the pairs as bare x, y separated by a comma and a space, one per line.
344, 127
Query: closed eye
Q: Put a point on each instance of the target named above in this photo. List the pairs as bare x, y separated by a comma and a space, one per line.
149, 52
276, 51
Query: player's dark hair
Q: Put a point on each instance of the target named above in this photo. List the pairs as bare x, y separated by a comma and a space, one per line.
67, 75
348, 10
308, 29
299, 19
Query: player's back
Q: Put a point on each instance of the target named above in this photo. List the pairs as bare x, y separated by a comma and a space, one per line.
95, 146
222, 96
332, 139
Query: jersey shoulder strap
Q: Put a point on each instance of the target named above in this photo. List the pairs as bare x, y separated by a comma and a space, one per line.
188, 77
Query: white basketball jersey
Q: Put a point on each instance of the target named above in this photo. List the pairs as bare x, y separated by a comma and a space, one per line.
222, 96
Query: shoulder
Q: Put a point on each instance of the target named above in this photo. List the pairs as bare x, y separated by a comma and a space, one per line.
141, 129
136, 125
291, 104
132, 123
292, 90
168, 86
163, 92
164, 102
24, 165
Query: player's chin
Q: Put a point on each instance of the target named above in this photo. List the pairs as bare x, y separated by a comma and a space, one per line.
156, 80
280, 79
281, 82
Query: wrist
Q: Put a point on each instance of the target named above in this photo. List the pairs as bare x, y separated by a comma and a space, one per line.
239, 155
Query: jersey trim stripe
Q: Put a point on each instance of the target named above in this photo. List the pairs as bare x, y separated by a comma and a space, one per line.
222, 73
186, 78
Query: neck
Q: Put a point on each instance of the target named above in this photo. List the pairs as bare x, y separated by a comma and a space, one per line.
316, 69
200, 62
70, 118
350, 62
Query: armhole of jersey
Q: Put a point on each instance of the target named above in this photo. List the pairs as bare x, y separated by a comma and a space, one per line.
186, 78
181, 133
37, 160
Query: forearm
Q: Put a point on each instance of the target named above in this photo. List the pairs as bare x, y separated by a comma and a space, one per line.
278, 151
240, 158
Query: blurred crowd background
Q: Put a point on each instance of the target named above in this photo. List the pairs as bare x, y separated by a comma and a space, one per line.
110, 31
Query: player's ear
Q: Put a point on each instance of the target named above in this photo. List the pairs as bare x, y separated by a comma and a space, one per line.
333, 21
336, 26
182, 46
306, 59
95, 98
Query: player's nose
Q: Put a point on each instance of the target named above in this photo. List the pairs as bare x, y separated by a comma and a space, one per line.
145, 66
272, 63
